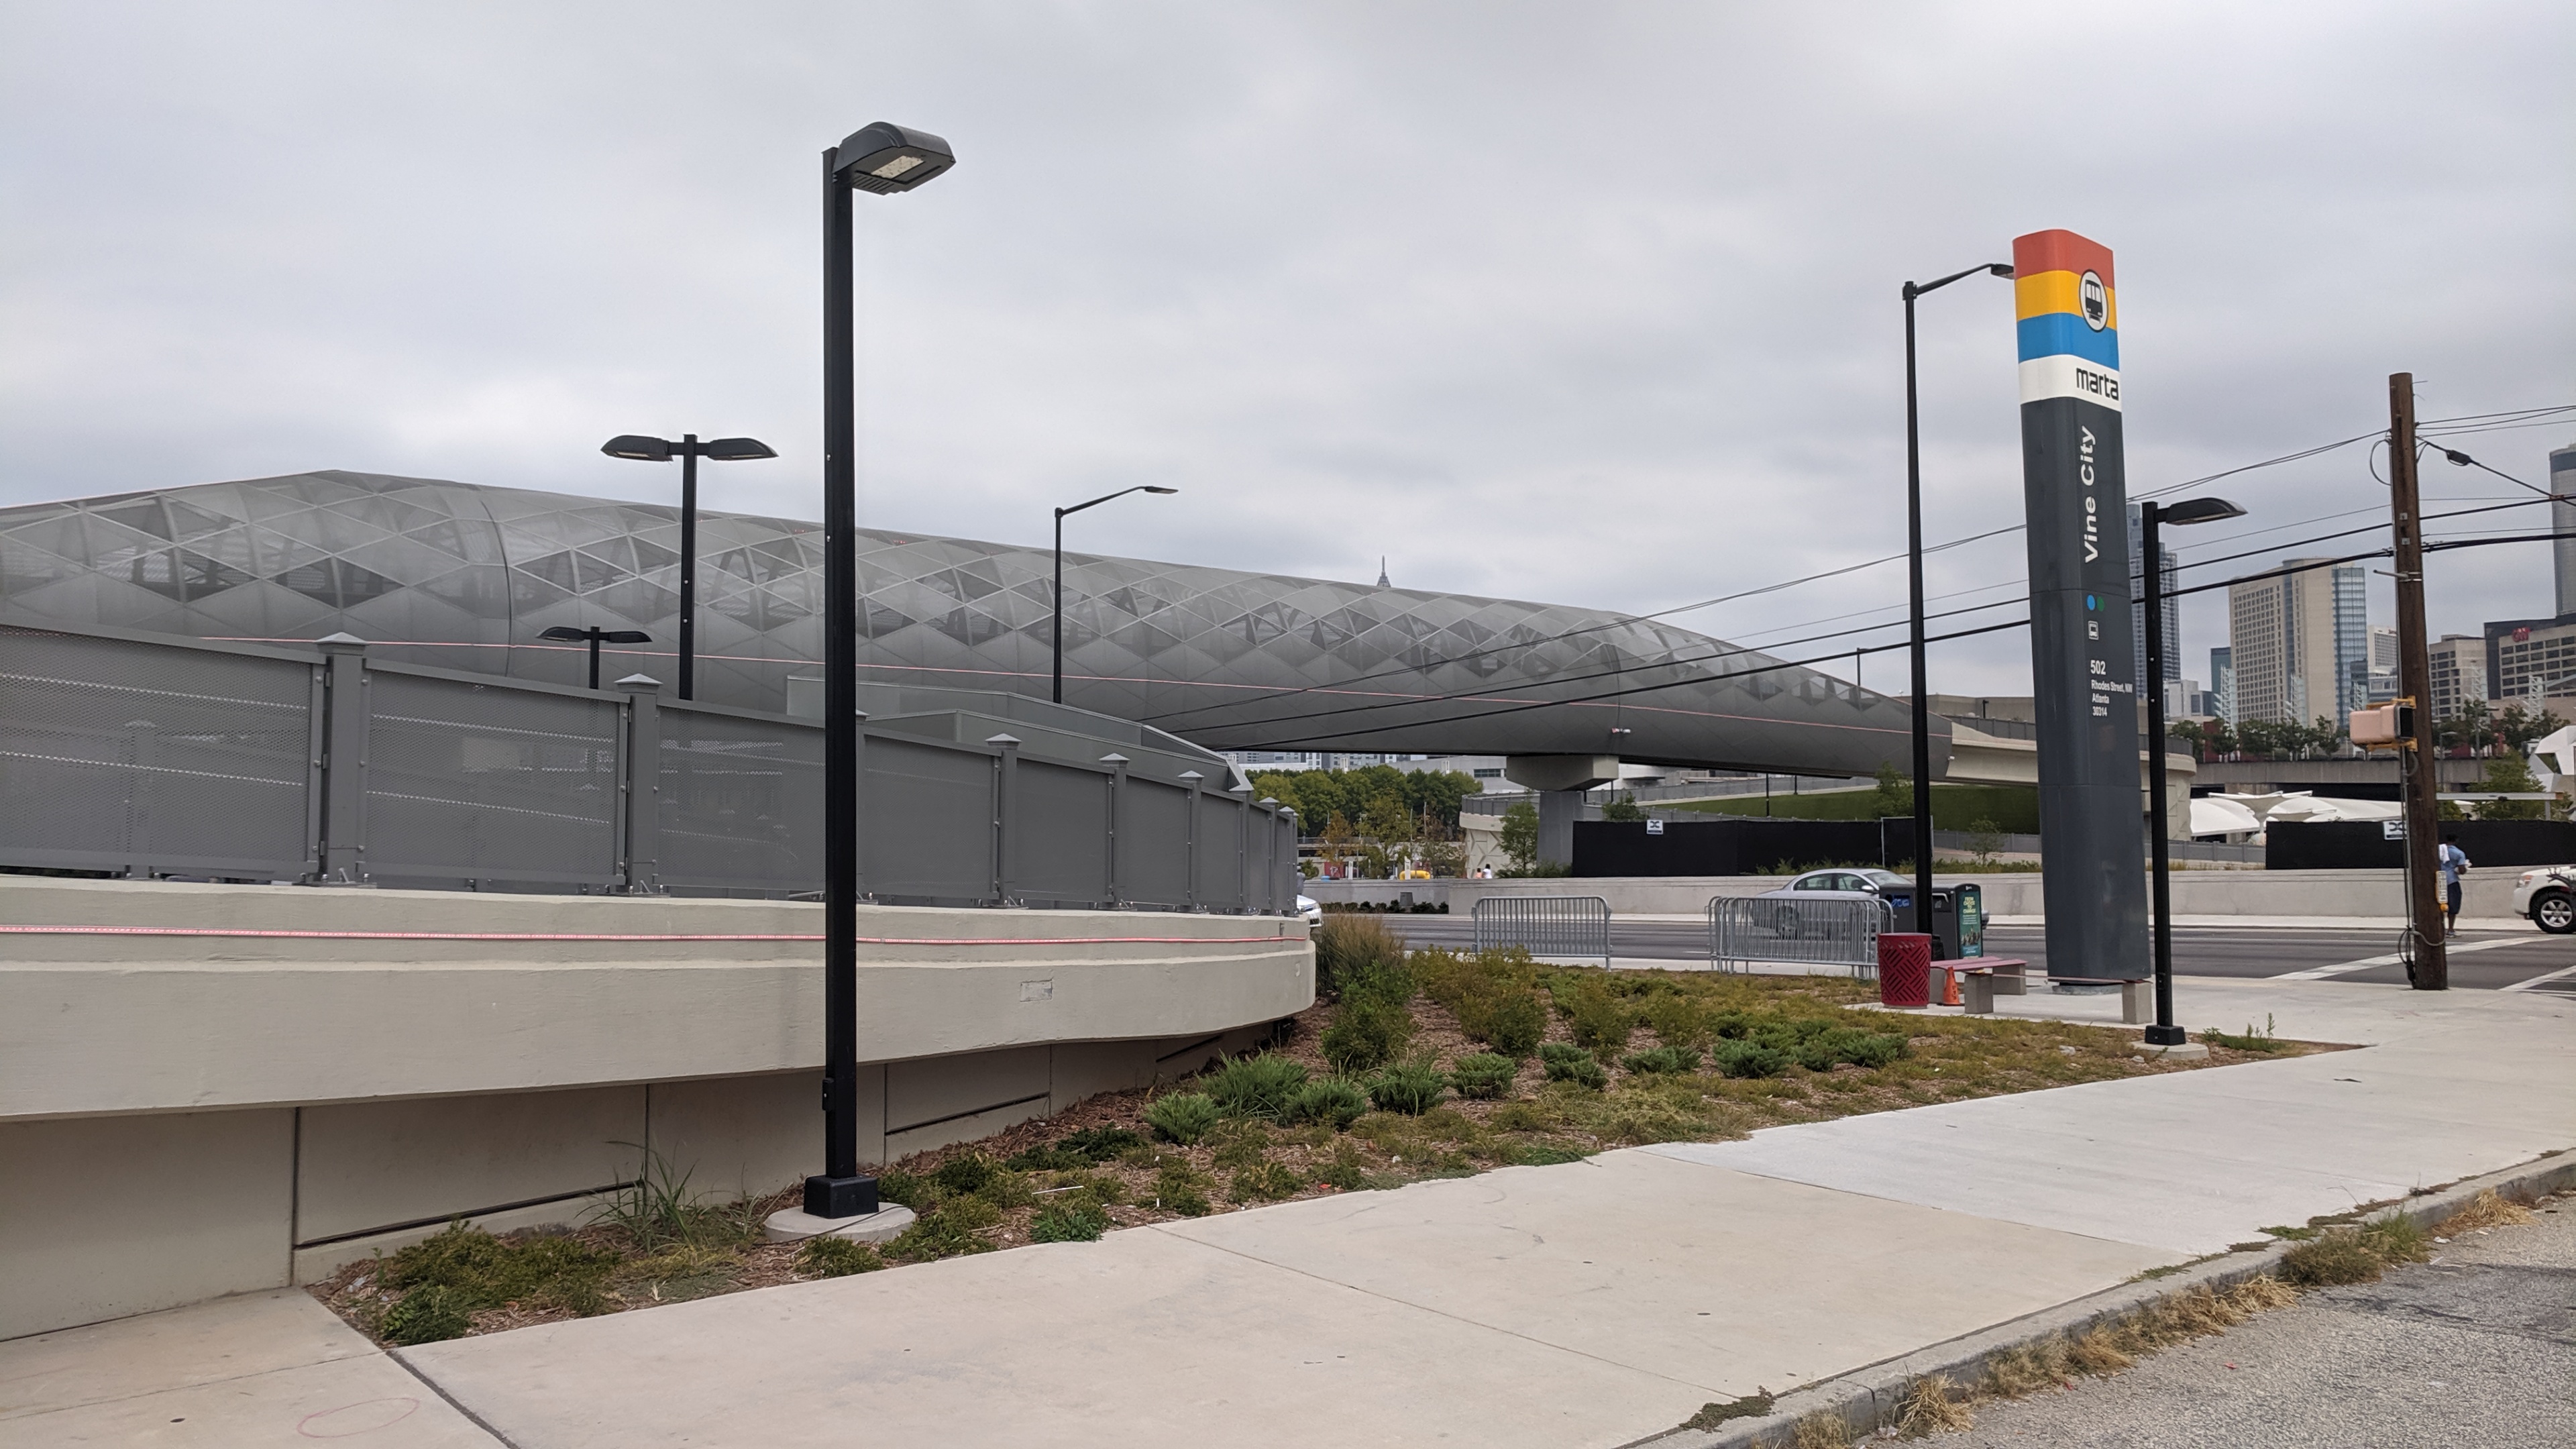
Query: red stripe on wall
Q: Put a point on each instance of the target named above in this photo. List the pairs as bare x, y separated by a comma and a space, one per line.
2061, 251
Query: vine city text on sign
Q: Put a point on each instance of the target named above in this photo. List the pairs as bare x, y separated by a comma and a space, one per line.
2074, 489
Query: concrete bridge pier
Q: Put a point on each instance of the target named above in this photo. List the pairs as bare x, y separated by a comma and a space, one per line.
1560, 781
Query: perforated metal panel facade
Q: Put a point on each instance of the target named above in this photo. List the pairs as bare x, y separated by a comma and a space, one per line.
466, 577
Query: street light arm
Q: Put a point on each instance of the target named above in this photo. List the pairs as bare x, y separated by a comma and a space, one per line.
1917, 289
1105, 497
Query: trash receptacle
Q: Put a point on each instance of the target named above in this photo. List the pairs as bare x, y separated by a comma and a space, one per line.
1904, 968
1958, 919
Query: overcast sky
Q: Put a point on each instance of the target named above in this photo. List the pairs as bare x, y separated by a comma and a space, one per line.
1587, 303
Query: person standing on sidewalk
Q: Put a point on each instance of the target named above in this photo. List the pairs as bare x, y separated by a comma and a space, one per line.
2455, 862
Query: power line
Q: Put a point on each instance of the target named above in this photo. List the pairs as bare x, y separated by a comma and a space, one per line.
1177, 718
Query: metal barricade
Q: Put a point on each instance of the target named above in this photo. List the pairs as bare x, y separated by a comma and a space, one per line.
1545, 925
1786, 930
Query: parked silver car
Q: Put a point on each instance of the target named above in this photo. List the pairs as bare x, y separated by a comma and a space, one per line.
1838, 884
1313, 912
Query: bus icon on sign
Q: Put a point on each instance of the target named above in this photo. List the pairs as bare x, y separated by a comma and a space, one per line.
2097, 302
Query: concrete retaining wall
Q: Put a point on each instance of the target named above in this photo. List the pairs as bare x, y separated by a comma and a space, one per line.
2359, 893
186, 1114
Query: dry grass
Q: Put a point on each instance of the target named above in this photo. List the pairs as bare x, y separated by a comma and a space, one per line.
2486, 1210
1823, 1429
1930, 1409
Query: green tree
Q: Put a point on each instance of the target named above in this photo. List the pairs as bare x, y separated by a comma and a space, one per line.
2509, 774
1520, 835
1895, 792
1623, 806
2519, 728
1386, 821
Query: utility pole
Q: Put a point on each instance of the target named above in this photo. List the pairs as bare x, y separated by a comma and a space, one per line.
2424, 923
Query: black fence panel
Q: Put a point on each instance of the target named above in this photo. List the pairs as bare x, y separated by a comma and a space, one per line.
1720, 847
2369, 844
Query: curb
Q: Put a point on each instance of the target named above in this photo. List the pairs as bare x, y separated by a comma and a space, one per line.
1874, 1396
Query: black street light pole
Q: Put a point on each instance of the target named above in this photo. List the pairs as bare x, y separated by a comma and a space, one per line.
688, 450
565, 634
882, 159
1914, 593
1058, 694
2151, 518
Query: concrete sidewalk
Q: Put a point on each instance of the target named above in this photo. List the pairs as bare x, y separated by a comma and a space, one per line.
1595, 1303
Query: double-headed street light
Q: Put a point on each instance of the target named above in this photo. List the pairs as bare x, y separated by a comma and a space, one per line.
2152, 516
1058, 695
1914, 593
566, 634
882, 159
688, 450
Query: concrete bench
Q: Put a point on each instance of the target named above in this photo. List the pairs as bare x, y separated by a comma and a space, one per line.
1982, 979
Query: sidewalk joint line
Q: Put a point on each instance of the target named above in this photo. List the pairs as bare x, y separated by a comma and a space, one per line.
435, 1387
1695, 1387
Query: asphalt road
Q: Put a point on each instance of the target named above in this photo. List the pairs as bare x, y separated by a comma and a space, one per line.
2503, 957
2473, 1348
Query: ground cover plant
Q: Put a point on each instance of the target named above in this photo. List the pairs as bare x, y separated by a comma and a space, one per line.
1411, 1065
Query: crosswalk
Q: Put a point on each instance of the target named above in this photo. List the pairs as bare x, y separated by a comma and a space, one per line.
2342, 968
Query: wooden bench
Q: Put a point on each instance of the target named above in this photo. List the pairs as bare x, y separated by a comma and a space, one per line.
1983, 978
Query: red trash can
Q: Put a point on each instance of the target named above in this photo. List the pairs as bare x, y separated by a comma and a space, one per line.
1904, 969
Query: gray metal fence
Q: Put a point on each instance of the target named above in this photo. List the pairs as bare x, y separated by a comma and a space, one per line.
1838, 931
1545, 925
142, 755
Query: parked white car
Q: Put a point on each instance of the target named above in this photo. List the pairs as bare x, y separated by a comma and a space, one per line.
2548, 897
1313, 911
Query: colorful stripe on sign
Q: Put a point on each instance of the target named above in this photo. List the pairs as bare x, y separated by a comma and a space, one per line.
2068, 312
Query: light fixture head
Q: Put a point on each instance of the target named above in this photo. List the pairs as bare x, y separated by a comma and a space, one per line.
563, 634
2000, 269
626, 636
1150, 488
886, 158
732, 450
2198, 510
638, 447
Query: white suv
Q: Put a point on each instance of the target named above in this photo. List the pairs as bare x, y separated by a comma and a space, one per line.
2548, 897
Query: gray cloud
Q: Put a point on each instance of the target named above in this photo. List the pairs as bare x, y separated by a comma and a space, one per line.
1593, 304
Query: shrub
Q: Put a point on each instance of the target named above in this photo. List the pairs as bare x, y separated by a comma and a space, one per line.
1348, 946
426, 1315
1573, 1064
898, 1186
966, 1172
2338, 1257
1345, 1171
1239, 1144
1269, 1181
1099, 1144
478, 1270
1663, 1059
1332, 1100
1521, 1117
1366, 1033
1411, 1088
1179, 1189
1749, 1059
1039, 1159
1510, 1019
946, 1230
831, 1257
1678, 1020
1184, 1117
1075, 1221
1543, 1154
1254, 1086
1598, 1018
1484, 1075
